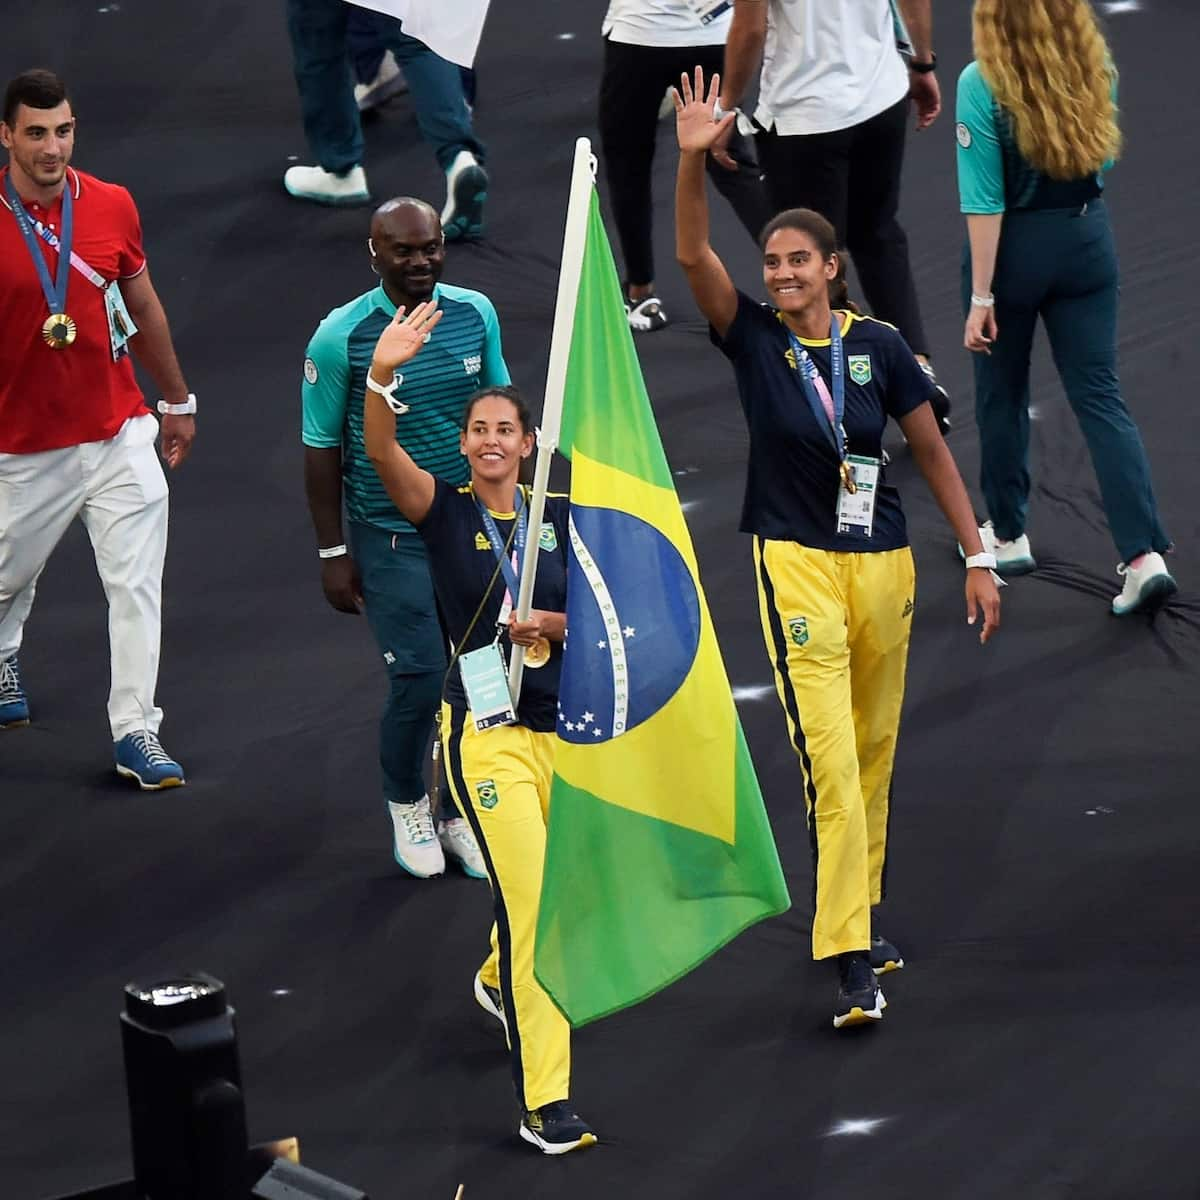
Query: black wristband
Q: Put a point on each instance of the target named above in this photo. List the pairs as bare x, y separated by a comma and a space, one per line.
923, 68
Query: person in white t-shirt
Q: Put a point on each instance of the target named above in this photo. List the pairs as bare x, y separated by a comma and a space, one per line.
833, 102
648, 44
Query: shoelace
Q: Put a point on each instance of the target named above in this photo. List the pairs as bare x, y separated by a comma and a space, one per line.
418, 822
151, 748
10, 681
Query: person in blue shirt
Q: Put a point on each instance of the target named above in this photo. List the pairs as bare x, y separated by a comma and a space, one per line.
380, 567
834, 569
1036, 130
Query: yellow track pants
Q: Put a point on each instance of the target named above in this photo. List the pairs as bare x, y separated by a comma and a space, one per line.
837, 627
501, 781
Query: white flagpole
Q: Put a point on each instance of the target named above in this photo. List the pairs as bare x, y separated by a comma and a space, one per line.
583, 179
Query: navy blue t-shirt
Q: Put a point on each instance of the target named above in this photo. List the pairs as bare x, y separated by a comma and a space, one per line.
461, 562
792, 477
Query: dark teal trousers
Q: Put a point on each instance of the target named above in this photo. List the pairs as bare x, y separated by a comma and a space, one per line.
1060, 265
402, 613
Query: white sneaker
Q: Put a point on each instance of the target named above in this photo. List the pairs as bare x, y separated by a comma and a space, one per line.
466, 191
1147, 586
1012, 558
459, 842
389, 81
324, 187
415, 844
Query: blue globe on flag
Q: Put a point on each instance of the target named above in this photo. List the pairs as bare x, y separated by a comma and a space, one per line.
633, 625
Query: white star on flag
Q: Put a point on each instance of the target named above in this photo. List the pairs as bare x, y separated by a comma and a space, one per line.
587, 717
601, 645
597, 733
570, 727
629, 631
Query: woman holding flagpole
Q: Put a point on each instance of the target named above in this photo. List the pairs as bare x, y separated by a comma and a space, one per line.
834, 570
498, 754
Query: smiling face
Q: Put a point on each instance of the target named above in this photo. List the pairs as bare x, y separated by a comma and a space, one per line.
494, 441
409, 250
39, 142
795, 272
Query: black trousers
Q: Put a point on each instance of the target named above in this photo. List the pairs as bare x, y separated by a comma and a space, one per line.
631, 90
852, 177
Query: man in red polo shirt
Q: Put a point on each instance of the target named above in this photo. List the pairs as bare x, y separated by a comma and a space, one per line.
75, 436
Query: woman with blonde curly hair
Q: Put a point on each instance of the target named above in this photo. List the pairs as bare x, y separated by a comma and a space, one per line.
1037, 129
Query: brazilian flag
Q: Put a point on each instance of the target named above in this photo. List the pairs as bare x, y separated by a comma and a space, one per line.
659, 850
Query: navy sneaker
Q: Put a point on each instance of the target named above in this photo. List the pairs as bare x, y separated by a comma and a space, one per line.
489, 999
14, 704
140, 756
859, 998
555, 1129
884, 956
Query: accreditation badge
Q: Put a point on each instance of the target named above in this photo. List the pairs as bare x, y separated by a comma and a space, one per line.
120, 324
856, 500
485, 681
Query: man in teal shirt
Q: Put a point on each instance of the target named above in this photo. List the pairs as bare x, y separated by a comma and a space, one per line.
382, 570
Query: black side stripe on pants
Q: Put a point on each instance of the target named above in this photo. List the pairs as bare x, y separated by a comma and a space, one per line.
503, 932
792, 708
887, 840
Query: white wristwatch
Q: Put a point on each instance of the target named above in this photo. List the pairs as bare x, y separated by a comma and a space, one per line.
179, 410
985, 560
388, 392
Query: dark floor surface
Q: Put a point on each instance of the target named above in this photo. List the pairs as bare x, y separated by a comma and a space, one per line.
1043, 1041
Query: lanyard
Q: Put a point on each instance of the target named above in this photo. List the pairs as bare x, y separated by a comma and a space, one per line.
811, 383
510, 570
54, 291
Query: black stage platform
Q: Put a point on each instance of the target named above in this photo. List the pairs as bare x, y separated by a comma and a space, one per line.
1042, 1042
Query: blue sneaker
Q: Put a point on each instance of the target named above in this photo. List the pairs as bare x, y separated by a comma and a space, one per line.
14, 704
140, 756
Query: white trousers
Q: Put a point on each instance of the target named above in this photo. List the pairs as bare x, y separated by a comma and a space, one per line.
117, 488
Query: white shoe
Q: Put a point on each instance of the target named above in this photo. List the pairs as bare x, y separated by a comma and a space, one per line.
1147, 586
1012, 558
459, 842
466, 192
324, 187
389, 81
415, 844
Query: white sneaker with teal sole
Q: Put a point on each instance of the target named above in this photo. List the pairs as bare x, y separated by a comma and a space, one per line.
458, 843
466, 192
324, 187
415, 844
1148, 585
1012, 558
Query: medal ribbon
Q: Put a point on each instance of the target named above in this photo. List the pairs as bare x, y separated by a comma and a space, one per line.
54, 291
830, 411
510, 570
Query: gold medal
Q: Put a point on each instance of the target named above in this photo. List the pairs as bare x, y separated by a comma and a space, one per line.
848, 478
538, 655
58, 331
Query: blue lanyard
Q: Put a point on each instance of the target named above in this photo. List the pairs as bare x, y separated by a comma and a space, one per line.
54, 291
806, 369
512, 577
